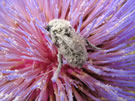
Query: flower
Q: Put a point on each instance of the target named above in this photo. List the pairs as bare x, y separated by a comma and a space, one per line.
28, 58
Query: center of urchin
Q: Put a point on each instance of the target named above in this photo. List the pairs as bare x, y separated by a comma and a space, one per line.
70, 44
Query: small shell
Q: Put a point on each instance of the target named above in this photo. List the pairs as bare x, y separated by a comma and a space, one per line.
70, 44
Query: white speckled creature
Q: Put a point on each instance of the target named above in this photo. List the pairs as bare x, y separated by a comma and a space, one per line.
71, 46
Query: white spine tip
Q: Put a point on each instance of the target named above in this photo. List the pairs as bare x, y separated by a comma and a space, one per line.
54, 78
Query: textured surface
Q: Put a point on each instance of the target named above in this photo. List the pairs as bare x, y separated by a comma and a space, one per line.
69, 43
28, 59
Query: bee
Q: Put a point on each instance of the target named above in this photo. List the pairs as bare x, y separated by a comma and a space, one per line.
71, 46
